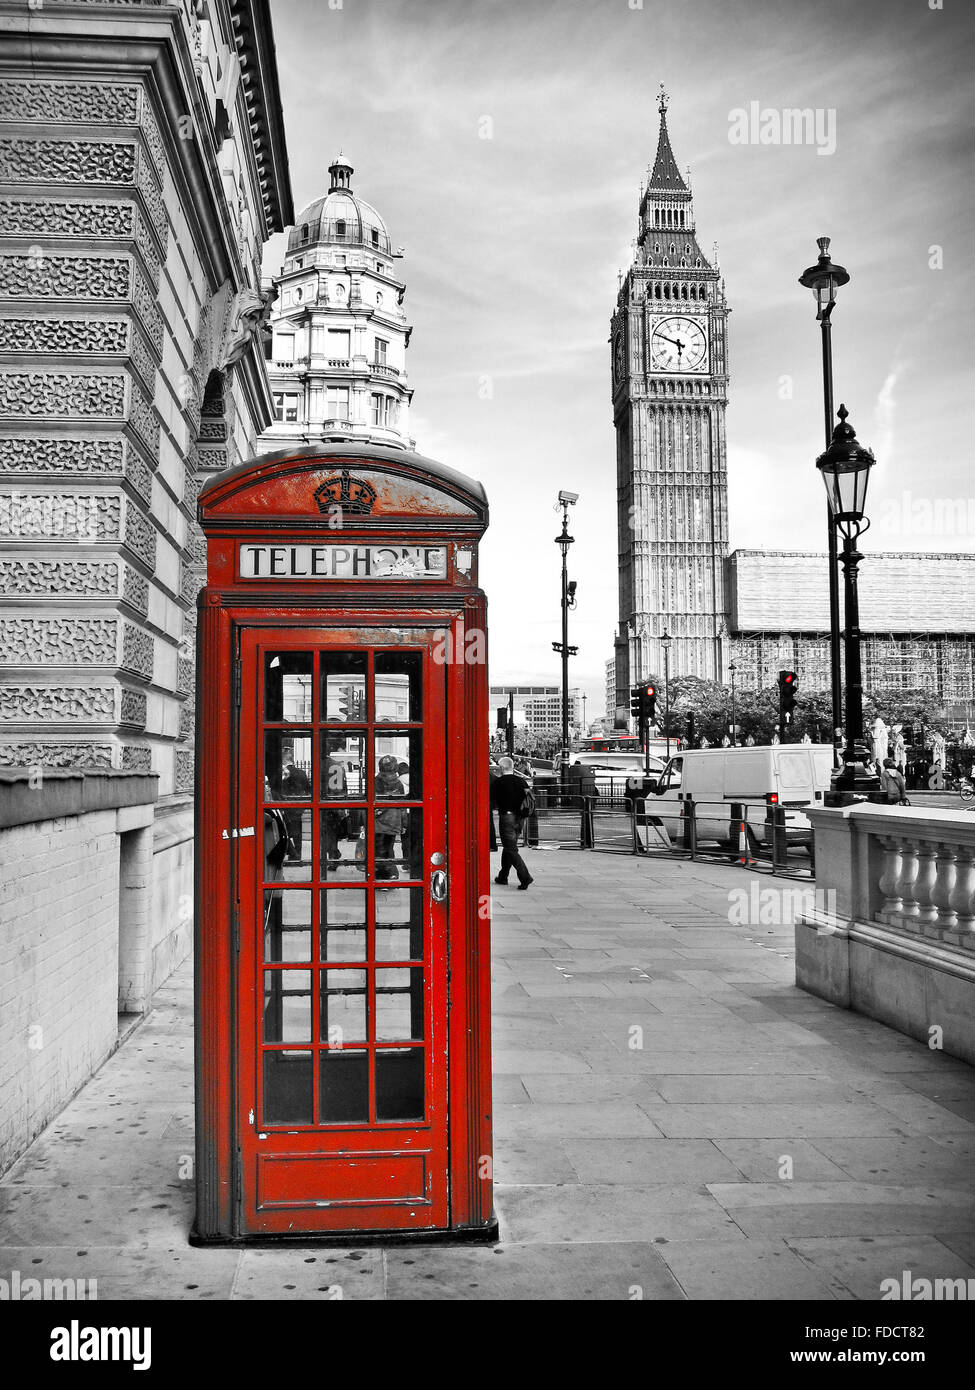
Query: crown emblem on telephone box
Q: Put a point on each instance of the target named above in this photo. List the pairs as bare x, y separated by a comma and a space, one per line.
352, 495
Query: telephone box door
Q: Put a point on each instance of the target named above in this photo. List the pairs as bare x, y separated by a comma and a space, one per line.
342, 967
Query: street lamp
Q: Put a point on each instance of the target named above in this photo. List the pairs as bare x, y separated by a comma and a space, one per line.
665, 641
845, 469
824, 279
566, 500
732, 668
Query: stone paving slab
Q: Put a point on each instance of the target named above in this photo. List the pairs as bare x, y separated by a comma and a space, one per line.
754, 1269
859, 1264
593, 1271
751, 1142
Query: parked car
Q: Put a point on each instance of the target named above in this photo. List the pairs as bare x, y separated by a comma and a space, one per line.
612, 771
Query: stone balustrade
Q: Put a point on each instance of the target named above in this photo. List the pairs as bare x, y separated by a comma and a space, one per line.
899, 943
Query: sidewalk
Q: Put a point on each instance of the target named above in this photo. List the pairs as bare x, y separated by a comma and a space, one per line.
673, 1119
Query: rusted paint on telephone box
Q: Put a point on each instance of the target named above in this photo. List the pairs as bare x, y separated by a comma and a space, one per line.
342, 951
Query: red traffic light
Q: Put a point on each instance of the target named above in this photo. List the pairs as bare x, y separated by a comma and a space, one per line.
789, 677
651, 690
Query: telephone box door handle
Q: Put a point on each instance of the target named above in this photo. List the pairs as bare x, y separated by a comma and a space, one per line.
438, 886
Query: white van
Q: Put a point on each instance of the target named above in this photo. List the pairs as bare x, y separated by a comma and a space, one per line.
791, 775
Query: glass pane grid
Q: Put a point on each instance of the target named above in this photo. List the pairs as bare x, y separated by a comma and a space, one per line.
367, 1072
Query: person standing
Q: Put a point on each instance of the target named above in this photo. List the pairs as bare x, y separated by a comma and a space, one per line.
892, 781
507, 795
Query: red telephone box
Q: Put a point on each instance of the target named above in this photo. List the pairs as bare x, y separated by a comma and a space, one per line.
342, 951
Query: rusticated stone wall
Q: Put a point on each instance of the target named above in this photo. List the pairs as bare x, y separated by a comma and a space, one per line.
139, 184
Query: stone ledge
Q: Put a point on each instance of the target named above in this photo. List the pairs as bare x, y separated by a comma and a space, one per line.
69, 793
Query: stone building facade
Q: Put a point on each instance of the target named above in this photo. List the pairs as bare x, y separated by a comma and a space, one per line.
339, 331
143, 167
916, 620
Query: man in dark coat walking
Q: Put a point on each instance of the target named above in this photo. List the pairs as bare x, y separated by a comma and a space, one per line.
507, 794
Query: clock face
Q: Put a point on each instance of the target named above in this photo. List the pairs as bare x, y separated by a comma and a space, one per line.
678, 345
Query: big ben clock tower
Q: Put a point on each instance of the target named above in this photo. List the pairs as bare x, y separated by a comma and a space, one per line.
669, 365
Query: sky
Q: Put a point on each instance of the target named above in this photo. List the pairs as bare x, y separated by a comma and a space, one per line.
504, 143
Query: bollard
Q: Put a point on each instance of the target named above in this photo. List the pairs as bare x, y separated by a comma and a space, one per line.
780, 850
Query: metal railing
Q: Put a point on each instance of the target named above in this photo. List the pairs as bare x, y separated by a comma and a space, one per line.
753, 834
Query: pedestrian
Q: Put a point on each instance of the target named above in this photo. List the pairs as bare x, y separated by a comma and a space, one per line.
494, 772
389, 819
892, 782
508, 794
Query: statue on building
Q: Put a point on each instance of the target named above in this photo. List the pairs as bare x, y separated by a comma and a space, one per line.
900, 748
245, 320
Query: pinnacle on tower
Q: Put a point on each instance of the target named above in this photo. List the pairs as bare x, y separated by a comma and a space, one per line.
665, 176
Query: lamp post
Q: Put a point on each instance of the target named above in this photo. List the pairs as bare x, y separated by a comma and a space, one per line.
665, 641
566, 500
732, 668
824, 279
845, 469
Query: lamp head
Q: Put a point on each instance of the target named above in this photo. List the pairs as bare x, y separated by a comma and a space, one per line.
845, 469
824, 279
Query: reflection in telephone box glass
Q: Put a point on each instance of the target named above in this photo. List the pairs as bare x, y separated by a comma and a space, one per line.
343, 1028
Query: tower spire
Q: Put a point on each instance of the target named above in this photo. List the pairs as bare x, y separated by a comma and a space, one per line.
666, 175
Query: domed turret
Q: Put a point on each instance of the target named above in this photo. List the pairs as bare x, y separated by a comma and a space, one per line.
340, 218
339, 330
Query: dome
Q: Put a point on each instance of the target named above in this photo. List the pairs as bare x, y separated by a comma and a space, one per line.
340, 218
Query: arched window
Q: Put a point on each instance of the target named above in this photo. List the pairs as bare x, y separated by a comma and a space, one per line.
683, 262
681, 218
665, 261
666, 291
683, 291
304, 232
693, 291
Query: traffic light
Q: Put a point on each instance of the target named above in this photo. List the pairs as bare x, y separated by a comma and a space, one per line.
636, 702
502, 716
649, 694
691, 735
788, 685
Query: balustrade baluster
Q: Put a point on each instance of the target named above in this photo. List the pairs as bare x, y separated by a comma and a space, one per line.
962, 899
910, 867
927, 910
944, 886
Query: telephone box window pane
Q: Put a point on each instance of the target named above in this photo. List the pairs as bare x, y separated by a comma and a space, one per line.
287, 926
344, 1087
345, 845
287, 1006
343, 923
399, 1005
398, 766
399, 1083
343, 1001
296, 864
343, 764
287, 1088
399, 924
343, 687
287, 687
287, 766
399, 682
